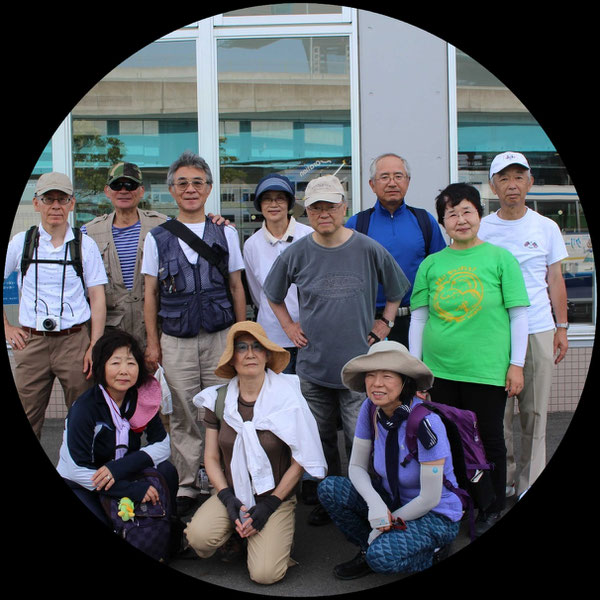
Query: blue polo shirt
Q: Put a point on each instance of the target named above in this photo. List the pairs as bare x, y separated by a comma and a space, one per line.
401, 236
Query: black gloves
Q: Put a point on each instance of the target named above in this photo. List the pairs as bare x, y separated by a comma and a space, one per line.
231, 502
262, 510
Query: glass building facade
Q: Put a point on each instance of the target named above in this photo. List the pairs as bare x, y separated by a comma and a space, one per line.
275, 88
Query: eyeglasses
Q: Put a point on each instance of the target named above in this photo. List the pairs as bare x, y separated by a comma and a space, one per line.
129, 185
398, 177
49, 200
279, 201
243, 347
321, 209
183, 184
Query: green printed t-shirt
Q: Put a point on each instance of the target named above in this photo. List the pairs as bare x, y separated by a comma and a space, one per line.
469, 292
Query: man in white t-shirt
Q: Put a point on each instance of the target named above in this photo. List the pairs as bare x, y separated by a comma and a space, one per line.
274, 198
61, 312
197, 293
538, 245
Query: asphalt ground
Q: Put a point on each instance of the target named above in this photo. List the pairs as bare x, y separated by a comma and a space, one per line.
316, 549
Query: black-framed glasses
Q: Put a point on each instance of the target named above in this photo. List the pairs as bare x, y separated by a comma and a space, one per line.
243, 347
118, 185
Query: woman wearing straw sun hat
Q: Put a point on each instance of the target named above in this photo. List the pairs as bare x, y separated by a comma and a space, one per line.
260, 437
399, 517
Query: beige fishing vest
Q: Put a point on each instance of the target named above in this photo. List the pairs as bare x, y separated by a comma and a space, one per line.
124, 308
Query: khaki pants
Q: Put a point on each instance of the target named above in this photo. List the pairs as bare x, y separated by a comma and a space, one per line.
268, 550
43, 359
189, 365
533, 409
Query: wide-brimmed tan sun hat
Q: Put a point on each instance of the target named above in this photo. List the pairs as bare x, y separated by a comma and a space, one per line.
386, 356
278, 357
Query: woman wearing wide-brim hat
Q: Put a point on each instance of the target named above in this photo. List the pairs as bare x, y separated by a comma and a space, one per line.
401, 515
260, 437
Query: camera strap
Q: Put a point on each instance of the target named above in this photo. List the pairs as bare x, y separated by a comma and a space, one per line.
64, 263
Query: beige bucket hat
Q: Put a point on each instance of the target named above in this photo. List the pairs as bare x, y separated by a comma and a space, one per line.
386, 356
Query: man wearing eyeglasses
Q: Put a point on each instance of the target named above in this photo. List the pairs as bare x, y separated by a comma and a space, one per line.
120, 236
409, 234
54, 313
337, 272
193, 270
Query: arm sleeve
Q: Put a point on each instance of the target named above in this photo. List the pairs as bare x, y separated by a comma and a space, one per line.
429, 496
361, 480
418, 320
519, 329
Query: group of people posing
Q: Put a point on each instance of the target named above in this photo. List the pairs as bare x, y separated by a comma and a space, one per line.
376, 311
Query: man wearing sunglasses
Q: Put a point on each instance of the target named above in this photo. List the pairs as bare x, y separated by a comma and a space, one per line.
120, 236
58, 325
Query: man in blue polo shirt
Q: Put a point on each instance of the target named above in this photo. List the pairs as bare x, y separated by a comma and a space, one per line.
407, 233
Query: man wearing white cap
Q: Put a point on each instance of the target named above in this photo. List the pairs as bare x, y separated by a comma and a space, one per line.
52, 340
537, 243
337, 271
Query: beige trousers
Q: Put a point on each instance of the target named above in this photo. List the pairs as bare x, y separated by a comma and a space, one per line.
43, 359
533, 409
189, 365
268, 550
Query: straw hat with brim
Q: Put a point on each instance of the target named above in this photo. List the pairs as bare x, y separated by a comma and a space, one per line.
278, 357
385, 356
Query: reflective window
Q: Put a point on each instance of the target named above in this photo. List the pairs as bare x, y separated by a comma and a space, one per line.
284, 106
295, 8
491, 119
145, 112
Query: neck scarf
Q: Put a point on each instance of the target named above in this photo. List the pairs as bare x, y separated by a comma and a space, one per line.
121, 426
392, 425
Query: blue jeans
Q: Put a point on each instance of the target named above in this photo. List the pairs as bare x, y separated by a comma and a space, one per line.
395, 551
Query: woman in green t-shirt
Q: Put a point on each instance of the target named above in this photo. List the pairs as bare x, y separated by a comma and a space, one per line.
469, 326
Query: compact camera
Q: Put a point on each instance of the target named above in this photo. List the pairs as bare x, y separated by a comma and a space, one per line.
47, 323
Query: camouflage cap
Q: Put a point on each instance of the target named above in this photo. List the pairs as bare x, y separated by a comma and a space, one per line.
124, 170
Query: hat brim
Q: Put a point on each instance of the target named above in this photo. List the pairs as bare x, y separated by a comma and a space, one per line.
278, 357
334, 198
397, 361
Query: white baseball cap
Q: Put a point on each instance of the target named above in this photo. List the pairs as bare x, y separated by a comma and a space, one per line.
327, 188
505, 159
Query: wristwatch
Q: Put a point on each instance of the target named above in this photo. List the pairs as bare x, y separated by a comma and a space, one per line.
390, 324
564, 325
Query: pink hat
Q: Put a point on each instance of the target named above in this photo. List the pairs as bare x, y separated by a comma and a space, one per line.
148, 403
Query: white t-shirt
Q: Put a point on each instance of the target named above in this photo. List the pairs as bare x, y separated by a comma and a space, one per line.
150, 261
75, 307
260, 252
536, 242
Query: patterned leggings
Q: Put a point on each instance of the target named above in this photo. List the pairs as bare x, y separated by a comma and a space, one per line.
394, 551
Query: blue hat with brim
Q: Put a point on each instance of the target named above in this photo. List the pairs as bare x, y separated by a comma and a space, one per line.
275, 182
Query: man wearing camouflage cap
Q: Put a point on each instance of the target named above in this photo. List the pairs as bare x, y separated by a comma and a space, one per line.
120, 236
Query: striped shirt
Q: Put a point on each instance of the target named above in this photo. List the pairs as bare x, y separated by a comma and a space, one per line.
126, 242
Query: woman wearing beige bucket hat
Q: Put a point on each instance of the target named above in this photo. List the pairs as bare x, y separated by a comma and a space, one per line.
399, 517
260, 437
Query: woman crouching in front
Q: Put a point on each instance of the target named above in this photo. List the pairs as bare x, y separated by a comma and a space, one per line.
400, 517
261, 429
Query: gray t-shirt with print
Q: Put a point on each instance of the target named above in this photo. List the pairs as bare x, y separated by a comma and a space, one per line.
337, 289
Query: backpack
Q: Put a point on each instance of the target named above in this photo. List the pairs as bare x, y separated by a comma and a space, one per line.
471, 467
149, 528
32, 236
422, 216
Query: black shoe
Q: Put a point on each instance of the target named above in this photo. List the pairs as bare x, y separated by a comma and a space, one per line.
353, 569
309, 492
485, 520
185, 505
439, 554
318, 516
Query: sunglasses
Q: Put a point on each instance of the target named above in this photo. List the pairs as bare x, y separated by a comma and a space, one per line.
128, 185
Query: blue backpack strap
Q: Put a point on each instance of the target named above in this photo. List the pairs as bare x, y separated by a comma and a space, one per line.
424, 222
362, 220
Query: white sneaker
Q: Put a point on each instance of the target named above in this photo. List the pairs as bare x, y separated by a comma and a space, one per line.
203, 481
510, 490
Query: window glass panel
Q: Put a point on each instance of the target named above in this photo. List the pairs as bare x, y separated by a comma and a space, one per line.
491, 119
284, 106
145, 112
296, 8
